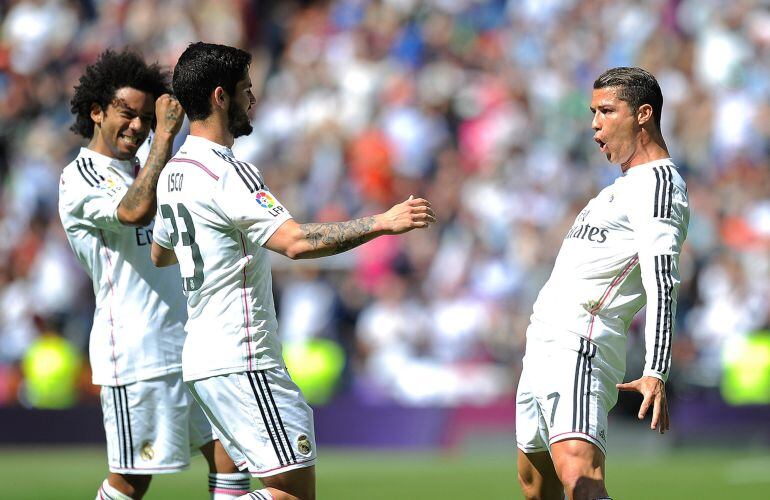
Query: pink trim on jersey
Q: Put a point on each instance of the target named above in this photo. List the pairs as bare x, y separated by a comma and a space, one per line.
246, 303
100, 492
615, 282
112, 294
294, 465
197, 164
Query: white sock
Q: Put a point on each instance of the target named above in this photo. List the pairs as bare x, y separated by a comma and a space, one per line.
262, 494
228, 486
107, 492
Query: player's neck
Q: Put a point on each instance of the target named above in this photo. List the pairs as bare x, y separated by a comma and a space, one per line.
651, 147
211, 130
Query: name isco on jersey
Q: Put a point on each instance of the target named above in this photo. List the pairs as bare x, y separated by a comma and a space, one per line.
588, 232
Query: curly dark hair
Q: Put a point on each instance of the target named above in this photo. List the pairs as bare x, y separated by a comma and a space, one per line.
203, 67
635, 86
111, 72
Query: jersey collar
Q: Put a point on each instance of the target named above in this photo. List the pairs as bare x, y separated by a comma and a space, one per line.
127, 166
649, 164
198, 142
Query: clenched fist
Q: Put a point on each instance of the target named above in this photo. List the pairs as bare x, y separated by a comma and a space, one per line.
169, 115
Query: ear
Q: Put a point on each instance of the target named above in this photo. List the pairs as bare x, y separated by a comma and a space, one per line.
644, 114
97, 114
219, 98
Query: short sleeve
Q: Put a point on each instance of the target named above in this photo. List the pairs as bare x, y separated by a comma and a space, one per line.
248, 203
91, 198
160, 234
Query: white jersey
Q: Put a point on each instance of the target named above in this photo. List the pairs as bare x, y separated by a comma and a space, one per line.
216, 213
138, 328
622, 252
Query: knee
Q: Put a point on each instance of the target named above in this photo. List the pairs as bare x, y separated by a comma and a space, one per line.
528, 485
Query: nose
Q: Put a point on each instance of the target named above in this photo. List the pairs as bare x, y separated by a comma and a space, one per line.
595, 122
136, 123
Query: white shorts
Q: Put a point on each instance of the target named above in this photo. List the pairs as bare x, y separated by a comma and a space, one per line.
261, 418
152, 426
564, 393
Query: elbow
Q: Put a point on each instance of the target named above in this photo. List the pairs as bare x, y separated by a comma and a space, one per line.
135, 220
293, 253
155, 261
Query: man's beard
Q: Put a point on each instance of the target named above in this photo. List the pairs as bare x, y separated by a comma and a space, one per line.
238, 121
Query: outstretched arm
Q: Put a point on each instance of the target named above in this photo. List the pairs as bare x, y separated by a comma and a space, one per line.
137, 208
312, 240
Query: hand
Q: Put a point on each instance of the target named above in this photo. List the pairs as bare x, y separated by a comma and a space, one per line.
654, 392
169, 115
407, 215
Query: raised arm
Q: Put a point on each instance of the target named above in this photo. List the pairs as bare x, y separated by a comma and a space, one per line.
312, 240
137, 208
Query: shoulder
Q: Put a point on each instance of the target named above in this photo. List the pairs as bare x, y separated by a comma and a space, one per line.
241, 174
86, 175
660, 175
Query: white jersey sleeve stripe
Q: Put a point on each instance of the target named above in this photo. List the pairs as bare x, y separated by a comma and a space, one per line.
93, 171
664, 314
247, 176
82, 170
197, 164
666, 357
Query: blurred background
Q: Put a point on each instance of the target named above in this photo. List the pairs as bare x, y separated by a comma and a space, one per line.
415, 342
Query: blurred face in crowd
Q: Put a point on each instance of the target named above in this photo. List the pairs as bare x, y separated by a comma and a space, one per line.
239, 123
124, 125
616, 126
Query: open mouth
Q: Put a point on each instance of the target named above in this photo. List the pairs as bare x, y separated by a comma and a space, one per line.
602, 145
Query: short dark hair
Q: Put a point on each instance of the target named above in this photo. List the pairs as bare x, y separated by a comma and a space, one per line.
113, 71
203, 67
635, 86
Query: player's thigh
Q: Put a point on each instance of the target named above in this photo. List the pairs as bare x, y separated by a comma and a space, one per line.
575, 390
298, 482
147, 425
261, 419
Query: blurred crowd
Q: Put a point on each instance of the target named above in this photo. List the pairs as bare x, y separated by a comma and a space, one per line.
479, 106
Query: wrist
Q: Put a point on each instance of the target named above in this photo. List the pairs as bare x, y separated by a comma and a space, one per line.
380, 224
654, 374
163, 137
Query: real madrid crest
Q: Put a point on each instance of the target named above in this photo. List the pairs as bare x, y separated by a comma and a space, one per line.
147, 452
303, 444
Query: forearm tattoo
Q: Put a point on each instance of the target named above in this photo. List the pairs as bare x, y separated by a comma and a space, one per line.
338, 236
142, 191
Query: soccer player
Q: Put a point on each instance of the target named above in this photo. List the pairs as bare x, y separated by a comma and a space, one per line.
621, 253
106, 203
218, 218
